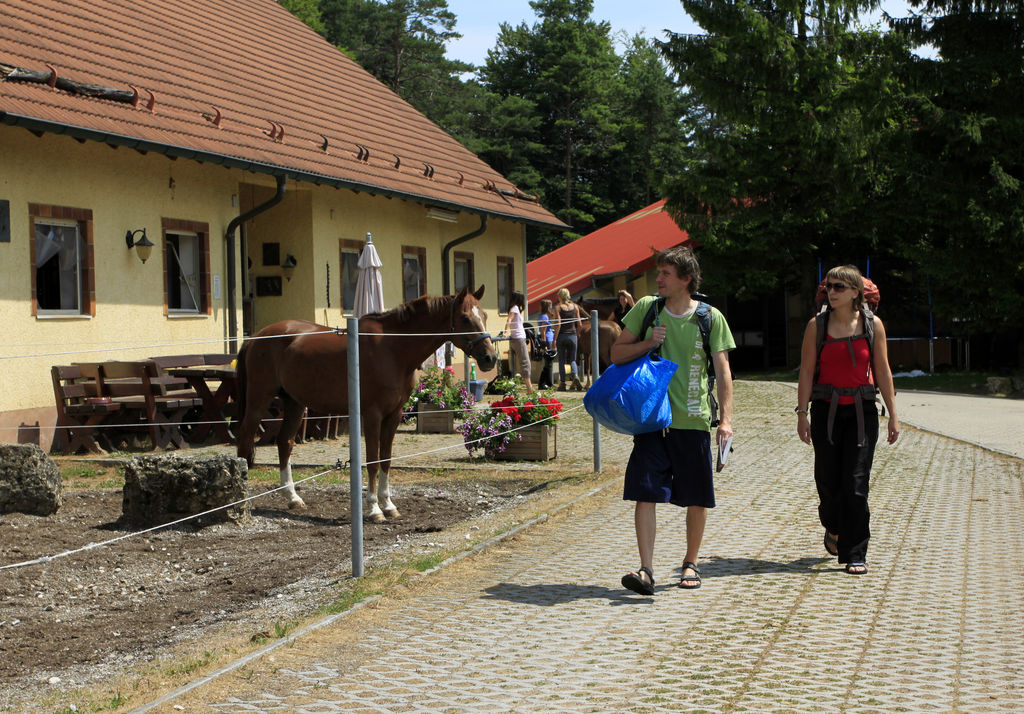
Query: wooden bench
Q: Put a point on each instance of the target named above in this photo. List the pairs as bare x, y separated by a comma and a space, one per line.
81, 411
147, 398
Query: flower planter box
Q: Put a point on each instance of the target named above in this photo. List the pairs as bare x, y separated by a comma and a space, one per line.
432, 419
539, 443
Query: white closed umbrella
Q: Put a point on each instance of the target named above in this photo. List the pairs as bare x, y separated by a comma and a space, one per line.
369, 286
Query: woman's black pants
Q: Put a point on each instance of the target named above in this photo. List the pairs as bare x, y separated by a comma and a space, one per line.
842, 471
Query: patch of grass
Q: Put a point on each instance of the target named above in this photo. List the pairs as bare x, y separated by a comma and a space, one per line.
82, 471
348, 599
426, 562
190, 665
952, 382
281, 629
949, 382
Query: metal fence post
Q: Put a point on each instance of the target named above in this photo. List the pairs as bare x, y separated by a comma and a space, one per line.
355, 448
595, 372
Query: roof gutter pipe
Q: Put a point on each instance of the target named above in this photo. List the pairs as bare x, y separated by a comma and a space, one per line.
446, 284
229, 236
445, 277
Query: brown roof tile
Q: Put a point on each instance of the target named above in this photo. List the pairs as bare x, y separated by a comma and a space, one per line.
240, 82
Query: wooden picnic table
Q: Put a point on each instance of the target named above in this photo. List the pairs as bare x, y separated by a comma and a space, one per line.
215, 401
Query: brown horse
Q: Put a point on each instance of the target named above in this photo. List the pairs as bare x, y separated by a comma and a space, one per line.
608, 332
307, 366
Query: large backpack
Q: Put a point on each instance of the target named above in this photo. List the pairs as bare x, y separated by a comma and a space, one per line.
704, 320
828, 391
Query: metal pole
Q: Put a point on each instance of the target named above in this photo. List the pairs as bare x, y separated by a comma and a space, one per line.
355, 448
931, 331
595, 372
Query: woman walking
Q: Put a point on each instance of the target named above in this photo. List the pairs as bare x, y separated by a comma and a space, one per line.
839, 384
517, 338
566, 331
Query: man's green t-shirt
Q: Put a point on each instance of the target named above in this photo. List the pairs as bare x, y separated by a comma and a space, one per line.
688, 390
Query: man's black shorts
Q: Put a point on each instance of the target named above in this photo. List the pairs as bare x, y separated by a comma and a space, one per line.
672, 466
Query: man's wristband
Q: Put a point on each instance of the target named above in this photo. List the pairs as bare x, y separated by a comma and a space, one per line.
798, 410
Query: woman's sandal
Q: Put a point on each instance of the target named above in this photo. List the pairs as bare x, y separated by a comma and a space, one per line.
690, 582
862, 568
831, 543
633, 581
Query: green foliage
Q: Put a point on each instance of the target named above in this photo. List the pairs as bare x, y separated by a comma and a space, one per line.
957, 185
791, 112
306, 10
401, 43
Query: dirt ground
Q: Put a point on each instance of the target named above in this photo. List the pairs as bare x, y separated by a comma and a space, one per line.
75, 621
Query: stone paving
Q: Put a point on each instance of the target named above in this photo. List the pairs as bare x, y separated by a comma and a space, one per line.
539, 622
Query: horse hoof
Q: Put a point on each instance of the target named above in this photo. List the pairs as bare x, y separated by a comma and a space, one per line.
392, 514
297, 504
378, 518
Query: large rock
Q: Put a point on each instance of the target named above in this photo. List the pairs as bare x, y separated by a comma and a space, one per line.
164, 488
29, 481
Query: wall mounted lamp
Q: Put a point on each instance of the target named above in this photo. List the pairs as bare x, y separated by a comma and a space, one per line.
288, 267
143, 246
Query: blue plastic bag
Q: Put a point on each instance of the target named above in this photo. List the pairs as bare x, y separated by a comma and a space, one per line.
633, 398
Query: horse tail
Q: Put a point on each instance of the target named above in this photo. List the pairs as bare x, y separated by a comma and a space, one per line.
240, 381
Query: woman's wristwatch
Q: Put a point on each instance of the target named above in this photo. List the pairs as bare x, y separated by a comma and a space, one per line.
798, 410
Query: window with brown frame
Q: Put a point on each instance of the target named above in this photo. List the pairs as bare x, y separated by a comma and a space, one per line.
464, 271
414, 272
348, 253
506, 282
63, 268
186, 248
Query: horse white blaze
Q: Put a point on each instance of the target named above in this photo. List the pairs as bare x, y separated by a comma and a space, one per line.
478, 314
294, 500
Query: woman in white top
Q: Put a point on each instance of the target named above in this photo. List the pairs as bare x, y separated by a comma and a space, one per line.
517, 337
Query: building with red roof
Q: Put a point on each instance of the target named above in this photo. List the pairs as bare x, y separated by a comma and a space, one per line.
616, 257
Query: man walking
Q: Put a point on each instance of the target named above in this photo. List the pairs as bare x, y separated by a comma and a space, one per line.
675, 465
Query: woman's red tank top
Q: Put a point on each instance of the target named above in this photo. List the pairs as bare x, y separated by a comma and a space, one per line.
838, 370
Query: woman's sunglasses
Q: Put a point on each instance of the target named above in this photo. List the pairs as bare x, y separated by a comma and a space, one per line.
838, 287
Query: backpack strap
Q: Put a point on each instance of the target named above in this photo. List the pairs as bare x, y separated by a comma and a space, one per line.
704, 319
651, 318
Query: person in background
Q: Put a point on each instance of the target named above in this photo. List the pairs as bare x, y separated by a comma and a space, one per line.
626, 303
567, 328
547, 336
675, 465
844, 433
517, 338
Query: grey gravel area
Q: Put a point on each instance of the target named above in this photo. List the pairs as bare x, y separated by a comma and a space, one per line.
541, 623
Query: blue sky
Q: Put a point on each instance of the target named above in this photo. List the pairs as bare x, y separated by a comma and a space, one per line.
478, 20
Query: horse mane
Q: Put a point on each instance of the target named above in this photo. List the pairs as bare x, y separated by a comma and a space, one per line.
409, 311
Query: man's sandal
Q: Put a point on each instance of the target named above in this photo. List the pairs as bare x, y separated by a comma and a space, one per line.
831, 543
635, 582
690, 582
861, 568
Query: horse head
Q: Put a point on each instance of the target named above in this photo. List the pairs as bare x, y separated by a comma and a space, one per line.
469, 326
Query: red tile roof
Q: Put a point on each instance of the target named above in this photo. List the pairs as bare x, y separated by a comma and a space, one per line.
235, 82
628, 245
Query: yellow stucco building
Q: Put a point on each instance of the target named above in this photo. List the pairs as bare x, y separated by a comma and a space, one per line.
252, 219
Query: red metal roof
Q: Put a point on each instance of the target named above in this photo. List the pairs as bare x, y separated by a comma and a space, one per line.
627, 245
237, 82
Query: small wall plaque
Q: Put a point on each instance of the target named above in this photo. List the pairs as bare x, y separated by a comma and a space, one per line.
268, 285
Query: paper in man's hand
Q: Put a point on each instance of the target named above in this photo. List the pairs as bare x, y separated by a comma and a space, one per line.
724, 447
